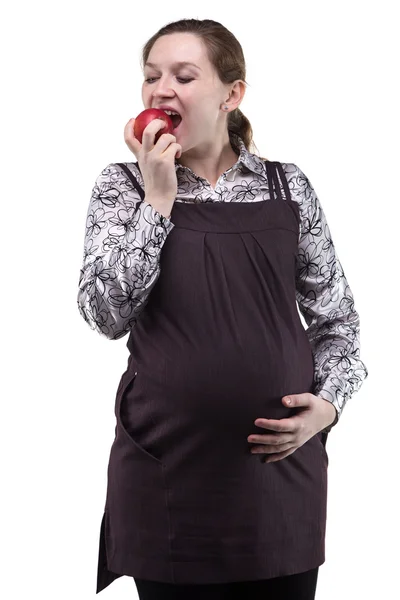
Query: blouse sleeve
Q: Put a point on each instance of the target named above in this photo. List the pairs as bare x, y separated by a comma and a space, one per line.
122, 245
326, 302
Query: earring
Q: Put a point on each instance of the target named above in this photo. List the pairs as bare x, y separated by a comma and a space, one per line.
226, 108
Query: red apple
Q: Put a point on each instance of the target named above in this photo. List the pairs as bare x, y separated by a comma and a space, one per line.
144, 118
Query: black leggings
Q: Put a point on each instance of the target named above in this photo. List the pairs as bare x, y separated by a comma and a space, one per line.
301, 586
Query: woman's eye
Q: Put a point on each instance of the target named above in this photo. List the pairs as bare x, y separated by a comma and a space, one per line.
181, 79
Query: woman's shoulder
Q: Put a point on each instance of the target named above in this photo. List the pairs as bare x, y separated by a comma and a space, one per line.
132, 166
299, 185
116, 174
115, 185
292, 172
134, 169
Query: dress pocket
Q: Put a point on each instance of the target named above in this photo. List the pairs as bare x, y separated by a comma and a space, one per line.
136, 519
125, 414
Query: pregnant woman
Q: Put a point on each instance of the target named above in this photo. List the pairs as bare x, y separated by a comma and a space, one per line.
202, 252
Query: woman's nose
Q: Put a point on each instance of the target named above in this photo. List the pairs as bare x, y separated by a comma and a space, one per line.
163, 87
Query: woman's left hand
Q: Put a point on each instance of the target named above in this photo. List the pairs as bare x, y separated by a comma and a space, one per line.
293, 432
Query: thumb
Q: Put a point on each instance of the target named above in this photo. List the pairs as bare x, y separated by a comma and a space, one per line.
296, 400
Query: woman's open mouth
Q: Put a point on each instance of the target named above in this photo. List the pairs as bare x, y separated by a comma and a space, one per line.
176, 121
175, 118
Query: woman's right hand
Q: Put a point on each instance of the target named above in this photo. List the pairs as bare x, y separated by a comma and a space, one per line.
156, 161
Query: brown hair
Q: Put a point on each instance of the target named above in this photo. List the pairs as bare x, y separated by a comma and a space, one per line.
225, 54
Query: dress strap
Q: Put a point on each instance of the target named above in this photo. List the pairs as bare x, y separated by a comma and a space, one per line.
273, 167
270, 180
276, 181
132, 178
284, 181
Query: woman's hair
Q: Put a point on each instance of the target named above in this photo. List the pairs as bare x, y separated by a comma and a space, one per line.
225, 54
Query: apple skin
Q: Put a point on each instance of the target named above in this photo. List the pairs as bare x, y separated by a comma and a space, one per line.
148, 115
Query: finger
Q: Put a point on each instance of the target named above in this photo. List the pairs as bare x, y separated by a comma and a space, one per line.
264, 449
165, 142
276, 424
149, 133
305, 399
273, 440
174, 149
167, 147
275, 457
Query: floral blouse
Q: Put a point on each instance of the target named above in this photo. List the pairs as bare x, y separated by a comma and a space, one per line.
124, 237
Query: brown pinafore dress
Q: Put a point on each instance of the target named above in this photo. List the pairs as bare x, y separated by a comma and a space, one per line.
218, 344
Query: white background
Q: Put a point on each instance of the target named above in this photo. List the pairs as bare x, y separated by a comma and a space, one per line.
322, 94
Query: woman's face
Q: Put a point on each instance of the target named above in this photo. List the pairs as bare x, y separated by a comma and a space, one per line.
195, 92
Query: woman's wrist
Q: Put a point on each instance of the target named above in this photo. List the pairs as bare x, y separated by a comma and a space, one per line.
330, 413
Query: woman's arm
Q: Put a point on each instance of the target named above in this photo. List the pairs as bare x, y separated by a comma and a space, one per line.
122, 246
326, 302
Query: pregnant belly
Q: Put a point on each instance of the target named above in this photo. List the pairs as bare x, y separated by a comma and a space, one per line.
212, 396
227, 384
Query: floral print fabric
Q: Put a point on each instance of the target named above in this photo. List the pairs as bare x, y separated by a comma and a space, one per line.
124, 236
